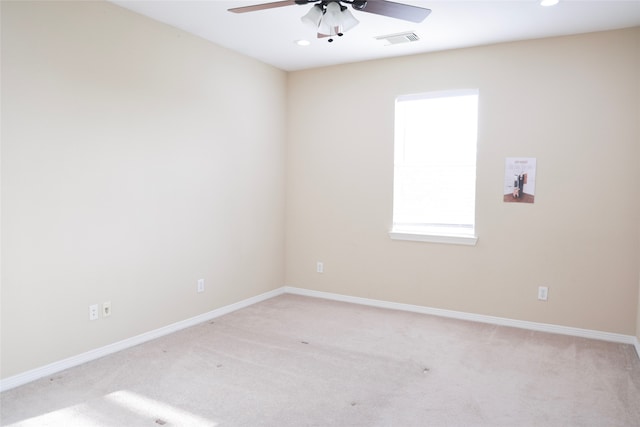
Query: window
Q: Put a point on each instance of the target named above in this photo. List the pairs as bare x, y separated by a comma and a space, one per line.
435, 167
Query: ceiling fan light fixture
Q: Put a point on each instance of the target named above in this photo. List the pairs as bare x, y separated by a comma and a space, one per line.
313, 17
348, 20
332, 15
335, 19
325, 30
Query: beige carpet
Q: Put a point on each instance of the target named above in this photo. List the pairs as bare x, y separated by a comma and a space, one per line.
298, 361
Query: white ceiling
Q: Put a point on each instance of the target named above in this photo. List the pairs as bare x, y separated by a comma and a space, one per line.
269, 35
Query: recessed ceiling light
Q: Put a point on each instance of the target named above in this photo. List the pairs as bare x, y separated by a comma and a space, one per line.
549, 2
303, 42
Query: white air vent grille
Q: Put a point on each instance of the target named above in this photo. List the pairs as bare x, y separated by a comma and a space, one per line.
399, 38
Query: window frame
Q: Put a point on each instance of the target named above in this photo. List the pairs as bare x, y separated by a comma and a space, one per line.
443, 235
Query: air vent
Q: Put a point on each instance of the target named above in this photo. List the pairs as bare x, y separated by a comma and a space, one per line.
399, 38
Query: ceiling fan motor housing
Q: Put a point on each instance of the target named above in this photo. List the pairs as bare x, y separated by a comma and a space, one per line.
359, 4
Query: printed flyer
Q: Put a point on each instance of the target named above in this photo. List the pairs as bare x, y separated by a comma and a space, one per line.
520, 180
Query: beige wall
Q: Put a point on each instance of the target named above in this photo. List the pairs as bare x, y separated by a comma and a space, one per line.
570, 102
136, 159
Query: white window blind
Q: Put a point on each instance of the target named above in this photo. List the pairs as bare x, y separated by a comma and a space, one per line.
435, 163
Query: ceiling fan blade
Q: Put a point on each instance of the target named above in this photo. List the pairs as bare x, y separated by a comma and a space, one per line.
262, 6
397, 10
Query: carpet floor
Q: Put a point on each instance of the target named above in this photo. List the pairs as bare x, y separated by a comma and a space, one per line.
300, 361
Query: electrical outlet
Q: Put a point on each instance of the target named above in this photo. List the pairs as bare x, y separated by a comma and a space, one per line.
543, 293
106, 309
320, 267
93, 312
200, 285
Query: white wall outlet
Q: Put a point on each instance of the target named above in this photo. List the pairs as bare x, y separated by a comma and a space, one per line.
106, 309
320, 267
543, 293
93, 312
200, 285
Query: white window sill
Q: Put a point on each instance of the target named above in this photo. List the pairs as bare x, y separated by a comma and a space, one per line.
434, 238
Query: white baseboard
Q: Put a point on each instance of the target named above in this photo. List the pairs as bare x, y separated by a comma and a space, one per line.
523, 324
53, 368
34, 374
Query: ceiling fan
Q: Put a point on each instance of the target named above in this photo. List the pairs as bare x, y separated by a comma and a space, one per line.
331, 17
